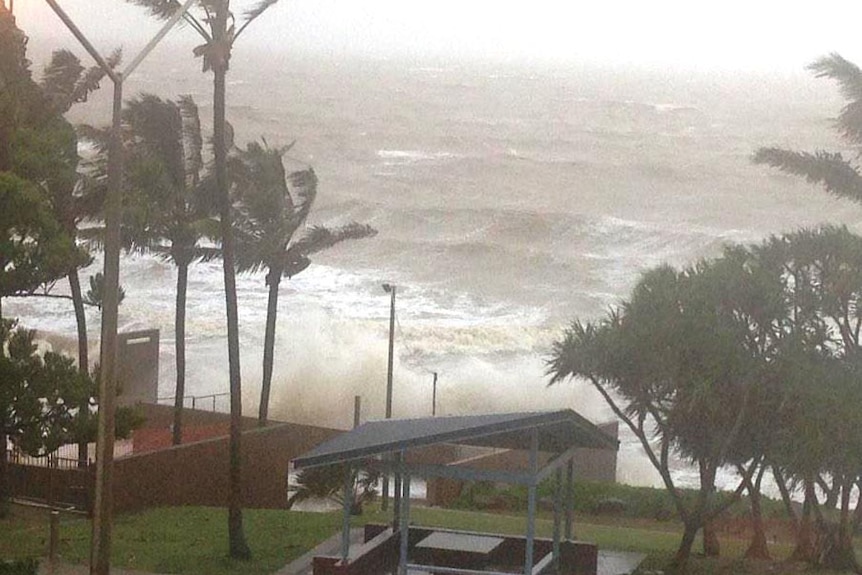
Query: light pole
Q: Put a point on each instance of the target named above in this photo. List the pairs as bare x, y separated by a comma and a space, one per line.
100, 542
434, 397
390, 289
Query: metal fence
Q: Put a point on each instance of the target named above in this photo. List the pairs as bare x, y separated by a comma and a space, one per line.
218, 402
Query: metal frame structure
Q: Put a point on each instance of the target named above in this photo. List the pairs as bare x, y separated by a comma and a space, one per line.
372, 445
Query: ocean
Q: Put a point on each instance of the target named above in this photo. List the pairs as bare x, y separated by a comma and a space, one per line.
510, 199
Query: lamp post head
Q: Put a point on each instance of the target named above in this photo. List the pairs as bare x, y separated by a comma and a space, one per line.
388, 288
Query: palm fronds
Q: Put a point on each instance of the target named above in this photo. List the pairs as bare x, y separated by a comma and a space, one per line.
828, 169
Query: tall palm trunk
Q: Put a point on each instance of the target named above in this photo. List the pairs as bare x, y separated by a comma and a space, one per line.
180, 348
80, 320
4, 474
83, 353
221, 43
273, 280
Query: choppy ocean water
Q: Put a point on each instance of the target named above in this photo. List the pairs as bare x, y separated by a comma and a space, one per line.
509, 200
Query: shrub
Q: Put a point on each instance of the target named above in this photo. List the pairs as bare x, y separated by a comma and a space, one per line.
19, 567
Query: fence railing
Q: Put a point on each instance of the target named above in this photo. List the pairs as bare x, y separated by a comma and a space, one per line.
207, 402
51, 460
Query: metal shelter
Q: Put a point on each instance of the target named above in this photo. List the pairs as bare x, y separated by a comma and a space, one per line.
385, 445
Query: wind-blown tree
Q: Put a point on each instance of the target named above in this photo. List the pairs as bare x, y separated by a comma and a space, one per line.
267, 218
822, 281
217, 26
673, 365
34, 250
839, 175
65, 83
41, 146
34, 413
165, 210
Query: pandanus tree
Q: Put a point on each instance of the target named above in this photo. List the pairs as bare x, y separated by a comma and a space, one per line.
672, 365
839, 175
216, 24
271, 209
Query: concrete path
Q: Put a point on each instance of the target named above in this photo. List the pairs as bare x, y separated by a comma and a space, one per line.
332, 546
610, 562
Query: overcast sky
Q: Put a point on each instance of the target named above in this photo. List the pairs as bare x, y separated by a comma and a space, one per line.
732, 34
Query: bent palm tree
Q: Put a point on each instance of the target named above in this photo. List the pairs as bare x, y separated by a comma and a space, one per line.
267, 218
165, 211
838, 175
166, 216
217, 26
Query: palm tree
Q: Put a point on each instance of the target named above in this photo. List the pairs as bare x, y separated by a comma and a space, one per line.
217, 26
838, 175
167, 216
267, 218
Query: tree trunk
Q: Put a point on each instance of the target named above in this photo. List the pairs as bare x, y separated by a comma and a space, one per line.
711, 544
219, 59
840, 555
758, 548
4, 476
273, 279
785, 497
80, 320
804, 550
679, 564
180, 348
83, 353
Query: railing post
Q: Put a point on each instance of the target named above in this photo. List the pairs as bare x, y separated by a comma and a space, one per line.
54, 539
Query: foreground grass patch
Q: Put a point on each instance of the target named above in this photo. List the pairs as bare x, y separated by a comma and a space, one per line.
188, 540
193, 540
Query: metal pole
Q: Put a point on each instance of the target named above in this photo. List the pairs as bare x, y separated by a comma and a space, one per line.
357, 410
558, 511
391, 352
434, 397
570, 503
100, 549
54, 540
404, 522
389, 288
345, 524
531, 501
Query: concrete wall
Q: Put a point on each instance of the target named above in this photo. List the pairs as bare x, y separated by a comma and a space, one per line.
197, 473
138, 365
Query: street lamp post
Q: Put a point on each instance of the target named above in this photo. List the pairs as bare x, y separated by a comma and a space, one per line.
434, 396
390, 289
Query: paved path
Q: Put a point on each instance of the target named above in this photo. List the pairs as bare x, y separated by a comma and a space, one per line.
332, 546
610, 562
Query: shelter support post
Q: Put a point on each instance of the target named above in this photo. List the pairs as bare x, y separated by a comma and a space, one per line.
570, 502
404, 523
558, 511
531, 501
396, 503
345, 525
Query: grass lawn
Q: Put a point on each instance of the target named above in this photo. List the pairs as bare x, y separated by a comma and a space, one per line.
193, 540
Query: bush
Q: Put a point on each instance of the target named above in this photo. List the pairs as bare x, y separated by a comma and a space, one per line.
595, 498
19, 567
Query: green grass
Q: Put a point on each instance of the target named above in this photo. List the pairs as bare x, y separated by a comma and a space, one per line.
188, 540
193, 540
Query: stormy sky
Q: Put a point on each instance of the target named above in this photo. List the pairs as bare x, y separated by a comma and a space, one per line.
727, 35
